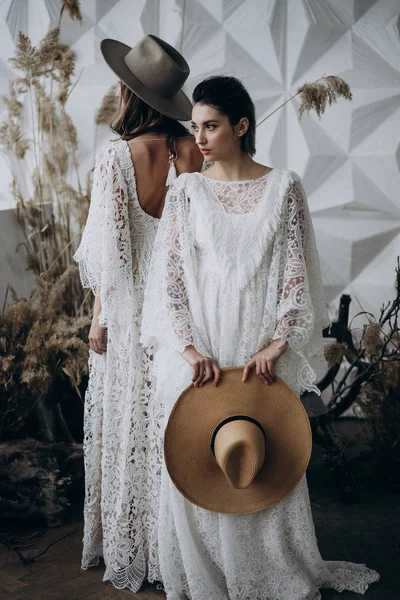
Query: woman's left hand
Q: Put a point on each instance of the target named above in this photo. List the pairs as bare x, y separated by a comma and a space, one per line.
264, 362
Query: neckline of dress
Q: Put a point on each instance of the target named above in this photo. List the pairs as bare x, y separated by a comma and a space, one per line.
254, 211
147, 215
239, 180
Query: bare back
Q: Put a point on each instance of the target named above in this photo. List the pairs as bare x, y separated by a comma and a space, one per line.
150, 159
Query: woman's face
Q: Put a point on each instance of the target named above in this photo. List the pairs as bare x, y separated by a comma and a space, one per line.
216, 138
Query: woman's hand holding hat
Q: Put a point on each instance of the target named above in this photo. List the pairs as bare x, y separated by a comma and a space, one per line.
204, 368
239, 448
264, 361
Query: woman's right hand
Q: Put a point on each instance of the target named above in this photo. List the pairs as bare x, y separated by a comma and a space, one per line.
204, 368
97, 337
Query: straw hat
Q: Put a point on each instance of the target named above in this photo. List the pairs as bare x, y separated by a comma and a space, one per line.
238, 447
154, 71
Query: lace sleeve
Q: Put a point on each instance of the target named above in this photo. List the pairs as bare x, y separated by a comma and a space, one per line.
89, 253
301, 312
104, 254
176, 241
171, 285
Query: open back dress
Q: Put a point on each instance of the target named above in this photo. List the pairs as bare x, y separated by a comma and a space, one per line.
123, 425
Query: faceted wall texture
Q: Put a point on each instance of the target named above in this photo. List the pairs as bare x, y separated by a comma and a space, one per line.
350, 159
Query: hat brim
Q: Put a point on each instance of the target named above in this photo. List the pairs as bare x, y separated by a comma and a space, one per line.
178, 107
193, 419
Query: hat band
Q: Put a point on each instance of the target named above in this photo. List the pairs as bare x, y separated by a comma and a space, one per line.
229, 420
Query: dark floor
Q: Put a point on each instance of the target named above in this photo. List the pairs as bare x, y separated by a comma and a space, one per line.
365, 532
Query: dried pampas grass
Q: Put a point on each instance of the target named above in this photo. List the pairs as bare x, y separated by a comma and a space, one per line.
334, 353
372, 341
317, 95
43, 348
108, 108
43, 345
73, 8
44, 85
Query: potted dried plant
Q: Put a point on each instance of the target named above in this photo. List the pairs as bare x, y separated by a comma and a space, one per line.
51, 208
369, 381
43, 339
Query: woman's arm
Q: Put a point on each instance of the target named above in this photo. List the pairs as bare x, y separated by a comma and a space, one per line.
299, 303
97, 334
294, 311
105, 251
264, 361
204, 368
299, 306
167, 317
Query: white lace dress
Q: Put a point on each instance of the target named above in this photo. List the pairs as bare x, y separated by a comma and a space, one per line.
234, 266
122, 432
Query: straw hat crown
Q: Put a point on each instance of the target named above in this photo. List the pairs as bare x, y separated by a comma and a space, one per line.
239, 447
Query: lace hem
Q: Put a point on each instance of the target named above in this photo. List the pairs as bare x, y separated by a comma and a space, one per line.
344, 575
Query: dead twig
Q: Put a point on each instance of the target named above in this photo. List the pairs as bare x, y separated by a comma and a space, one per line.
27, 560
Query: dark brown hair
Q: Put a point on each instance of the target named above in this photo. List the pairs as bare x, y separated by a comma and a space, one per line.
137, 117
228, 95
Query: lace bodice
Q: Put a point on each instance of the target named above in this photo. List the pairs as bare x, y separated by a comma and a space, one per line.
239, 197
259, 255
235, 265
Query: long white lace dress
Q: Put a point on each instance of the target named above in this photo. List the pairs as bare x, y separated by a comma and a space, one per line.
122, 434
235, 265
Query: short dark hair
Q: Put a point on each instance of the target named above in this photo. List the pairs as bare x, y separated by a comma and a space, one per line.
228, 95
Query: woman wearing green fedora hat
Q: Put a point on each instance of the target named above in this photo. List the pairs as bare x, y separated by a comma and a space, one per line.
122, 441
234, 311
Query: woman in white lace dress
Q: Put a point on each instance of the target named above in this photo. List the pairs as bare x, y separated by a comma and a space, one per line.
122, 433
235, 280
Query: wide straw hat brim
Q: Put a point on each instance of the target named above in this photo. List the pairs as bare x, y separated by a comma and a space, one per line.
177, 107
188, 436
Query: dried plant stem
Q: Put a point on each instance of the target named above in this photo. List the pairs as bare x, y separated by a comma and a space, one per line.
291, 98
73, 153
182, 26
44, 273
27, 560
340, 386
75, 84
86, 297
67, 435
35, 151
60, 16
363, 375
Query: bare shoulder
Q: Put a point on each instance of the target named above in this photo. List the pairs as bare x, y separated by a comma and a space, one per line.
187, 139
188, 144
190, 158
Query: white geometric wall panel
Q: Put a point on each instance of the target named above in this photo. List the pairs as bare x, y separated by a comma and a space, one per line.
350, 159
